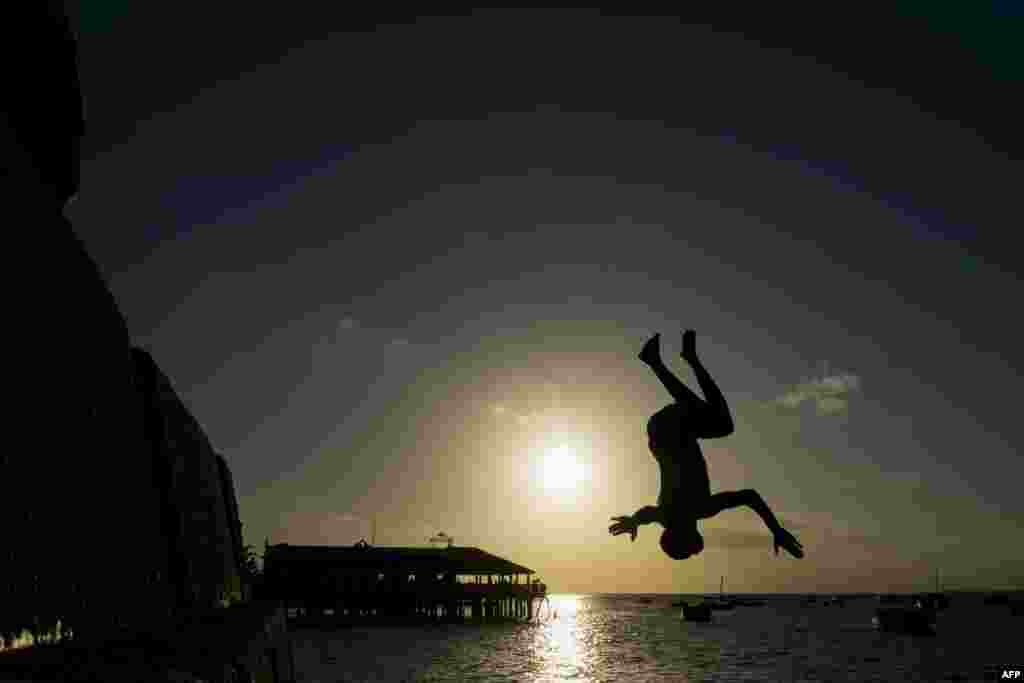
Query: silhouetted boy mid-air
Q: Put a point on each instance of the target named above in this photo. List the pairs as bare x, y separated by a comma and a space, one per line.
672, 435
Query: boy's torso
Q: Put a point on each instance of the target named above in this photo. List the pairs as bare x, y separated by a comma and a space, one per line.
684, 476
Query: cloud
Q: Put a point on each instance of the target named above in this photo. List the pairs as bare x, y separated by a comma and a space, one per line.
840, 384
829, 393
536, 405
506, 413
831, 405
351, 328
502, 412
532, 419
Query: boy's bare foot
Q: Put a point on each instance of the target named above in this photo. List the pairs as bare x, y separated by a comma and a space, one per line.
651, 353
689, 352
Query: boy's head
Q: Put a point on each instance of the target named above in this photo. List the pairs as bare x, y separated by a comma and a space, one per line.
680, 543
667, 427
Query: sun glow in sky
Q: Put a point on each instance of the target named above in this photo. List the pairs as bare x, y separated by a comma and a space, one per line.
484, 378
562, 469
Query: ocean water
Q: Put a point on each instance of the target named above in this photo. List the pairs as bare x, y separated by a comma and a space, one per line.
639, 638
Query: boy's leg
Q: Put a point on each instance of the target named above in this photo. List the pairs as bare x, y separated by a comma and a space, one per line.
651, 355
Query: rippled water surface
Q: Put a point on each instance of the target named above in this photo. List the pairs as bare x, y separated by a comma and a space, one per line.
642, 638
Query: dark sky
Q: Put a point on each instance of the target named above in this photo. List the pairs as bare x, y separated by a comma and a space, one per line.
391, 263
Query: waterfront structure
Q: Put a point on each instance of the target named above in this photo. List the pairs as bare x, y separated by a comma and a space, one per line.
347, 583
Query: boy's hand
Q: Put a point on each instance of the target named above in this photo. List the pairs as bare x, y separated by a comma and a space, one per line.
651, 353
623, 525
788, 541
689, 352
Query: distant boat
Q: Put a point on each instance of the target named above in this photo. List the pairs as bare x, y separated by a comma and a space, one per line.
997, 599
938, 599
700, 612
810, 600
934, 601
914, 614
834, 601
721, 603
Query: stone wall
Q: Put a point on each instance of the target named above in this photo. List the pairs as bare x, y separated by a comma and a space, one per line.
198, 513
102, 524
234, 521
78, 495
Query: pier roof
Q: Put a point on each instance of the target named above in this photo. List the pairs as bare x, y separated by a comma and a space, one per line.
455, 559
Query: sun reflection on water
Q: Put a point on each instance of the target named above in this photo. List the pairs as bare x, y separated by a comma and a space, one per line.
560, 644
566, 604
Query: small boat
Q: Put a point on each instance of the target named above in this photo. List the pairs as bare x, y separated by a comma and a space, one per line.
913, 620
997, 599
810, 600
699, 612
834, 601
934, 601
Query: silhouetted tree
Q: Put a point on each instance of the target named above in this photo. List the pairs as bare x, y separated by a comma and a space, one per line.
252, 570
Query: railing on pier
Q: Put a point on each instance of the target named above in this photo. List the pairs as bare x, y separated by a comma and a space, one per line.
447, 602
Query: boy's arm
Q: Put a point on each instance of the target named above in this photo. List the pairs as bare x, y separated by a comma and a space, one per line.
649, 514
630, 523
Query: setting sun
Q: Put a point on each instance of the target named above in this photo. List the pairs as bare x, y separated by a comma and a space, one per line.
562, 470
